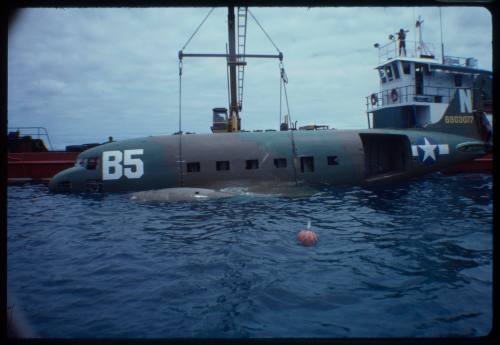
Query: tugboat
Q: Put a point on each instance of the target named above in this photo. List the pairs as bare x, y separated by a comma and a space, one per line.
416, 88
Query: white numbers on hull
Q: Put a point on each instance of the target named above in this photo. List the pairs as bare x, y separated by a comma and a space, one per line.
113, 169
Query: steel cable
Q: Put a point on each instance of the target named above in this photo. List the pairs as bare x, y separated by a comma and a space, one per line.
198, 28
267, 35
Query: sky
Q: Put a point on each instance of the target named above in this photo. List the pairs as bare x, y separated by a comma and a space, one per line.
86, 74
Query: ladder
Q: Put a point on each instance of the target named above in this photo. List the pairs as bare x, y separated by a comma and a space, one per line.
242, 36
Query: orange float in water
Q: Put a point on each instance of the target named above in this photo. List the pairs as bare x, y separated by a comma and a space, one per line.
307, 237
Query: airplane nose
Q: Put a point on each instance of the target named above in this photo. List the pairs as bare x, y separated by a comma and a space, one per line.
66, 181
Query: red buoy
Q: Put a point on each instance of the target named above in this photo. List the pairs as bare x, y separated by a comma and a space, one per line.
307, 238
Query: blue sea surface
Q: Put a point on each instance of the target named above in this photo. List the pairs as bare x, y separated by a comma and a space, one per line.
409, 260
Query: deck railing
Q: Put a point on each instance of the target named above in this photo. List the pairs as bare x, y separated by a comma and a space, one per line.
34, 132
408, 94
391, 50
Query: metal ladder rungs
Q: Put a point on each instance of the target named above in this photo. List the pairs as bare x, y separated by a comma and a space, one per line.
241, 34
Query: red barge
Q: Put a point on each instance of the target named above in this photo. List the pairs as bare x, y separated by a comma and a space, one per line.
29, 160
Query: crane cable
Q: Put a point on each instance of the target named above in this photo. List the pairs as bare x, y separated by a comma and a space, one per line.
181, 174
181, 177
198, 28
283, 82
267, 35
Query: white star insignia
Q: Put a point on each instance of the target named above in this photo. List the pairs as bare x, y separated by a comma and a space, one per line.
428, 150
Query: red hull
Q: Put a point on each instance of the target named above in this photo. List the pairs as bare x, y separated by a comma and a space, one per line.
479, 165
38, 166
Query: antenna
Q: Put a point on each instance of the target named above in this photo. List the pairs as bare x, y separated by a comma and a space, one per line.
422, 47
442, 44
414, 34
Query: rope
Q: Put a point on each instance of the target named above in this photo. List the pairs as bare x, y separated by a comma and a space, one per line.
268, 37
198, 28
180, 125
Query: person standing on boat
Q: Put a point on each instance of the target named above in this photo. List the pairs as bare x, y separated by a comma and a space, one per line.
402, 44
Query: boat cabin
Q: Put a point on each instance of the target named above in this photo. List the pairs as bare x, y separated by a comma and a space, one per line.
416, 87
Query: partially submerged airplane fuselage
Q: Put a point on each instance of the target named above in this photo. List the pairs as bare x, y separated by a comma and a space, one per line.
332, 157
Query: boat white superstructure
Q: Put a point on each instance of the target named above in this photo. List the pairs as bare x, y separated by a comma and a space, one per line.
416, 86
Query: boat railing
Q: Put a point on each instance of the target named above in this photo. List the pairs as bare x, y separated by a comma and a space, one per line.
409, 94
413, 49
460, 61
34, 132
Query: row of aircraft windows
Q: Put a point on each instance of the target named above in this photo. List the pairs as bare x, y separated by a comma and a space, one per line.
306, 164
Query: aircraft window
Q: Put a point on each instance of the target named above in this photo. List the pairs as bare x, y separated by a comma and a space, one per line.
382, 75
332, 160
307, 164
252, 164
406, 67
458, 80
222, 165
193, 167
388, 72
280, 162
88, 163
396, 69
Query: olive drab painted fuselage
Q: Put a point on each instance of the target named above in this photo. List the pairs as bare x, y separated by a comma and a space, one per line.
326, 157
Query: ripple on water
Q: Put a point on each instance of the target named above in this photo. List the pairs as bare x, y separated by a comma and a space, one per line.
410, 260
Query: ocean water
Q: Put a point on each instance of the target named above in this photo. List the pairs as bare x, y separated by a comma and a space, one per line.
410, 260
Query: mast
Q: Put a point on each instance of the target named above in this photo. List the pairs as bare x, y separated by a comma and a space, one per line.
234, 119
442, 44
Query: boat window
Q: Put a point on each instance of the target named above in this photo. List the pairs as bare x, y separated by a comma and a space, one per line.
382, 75
458, 80
406, 67
396, 69
280, 162
332, 160
222, 165
252, 164
388, 72
307, 164
193, 167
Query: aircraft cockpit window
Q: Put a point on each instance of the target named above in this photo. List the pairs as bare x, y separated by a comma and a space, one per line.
193, 167
280, 162
87, 163
406, 67
222, 165
381, 71
332, 160
252, 164
396, 69
388, 72
307, 164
